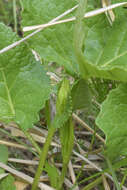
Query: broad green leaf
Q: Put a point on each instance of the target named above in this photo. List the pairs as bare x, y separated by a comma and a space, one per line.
55, 43
53, 174
24, 86
3, 156
7, 183
112, 119
6, 15
105, 47
81, 95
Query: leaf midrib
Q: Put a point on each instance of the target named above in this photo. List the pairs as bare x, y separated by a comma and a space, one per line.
113, 59
8, 93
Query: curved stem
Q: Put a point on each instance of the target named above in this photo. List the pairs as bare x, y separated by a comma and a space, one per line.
43, 157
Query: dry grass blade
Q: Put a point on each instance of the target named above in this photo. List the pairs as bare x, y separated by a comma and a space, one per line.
110, 15
27, 162
32, 162
24, 177
29, 28
83, 124
15, 145
105, 183
96, 167
71, 171
3, 175
87, 15
18, 133
35, 32
20, 185
72, 174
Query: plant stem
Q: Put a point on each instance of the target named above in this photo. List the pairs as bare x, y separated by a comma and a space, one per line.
21, 4
93, 184
48, 113
30, 138
15, 16
43, 157
63, 173
113, 174
123, 180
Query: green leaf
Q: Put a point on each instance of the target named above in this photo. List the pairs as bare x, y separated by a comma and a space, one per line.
63, 104
53, 174
67, 140
24, 86
7, 183
112, 119
106, 48
79, 35
67, 143
81, 95
55, 43
3, 156
6, 15
62, 97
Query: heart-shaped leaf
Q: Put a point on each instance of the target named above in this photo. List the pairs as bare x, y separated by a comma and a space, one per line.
56, 43
24, 86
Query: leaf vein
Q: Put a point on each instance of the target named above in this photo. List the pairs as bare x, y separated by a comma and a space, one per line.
8, 93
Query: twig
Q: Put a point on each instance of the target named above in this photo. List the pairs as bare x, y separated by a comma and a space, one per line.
35, 32
24, 177
81, 122
86, 15
90, 14
18, 133
72, 174
15, 145
21, 161
110, 15
3, 175
33, 162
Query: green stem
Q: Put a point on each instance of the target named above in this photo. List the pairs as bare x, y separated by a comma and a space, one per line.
62, 177
113, 174
93, 184
48, 113
78, 176
123, 180
30, 138
43, 157
21, 4
15, 16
